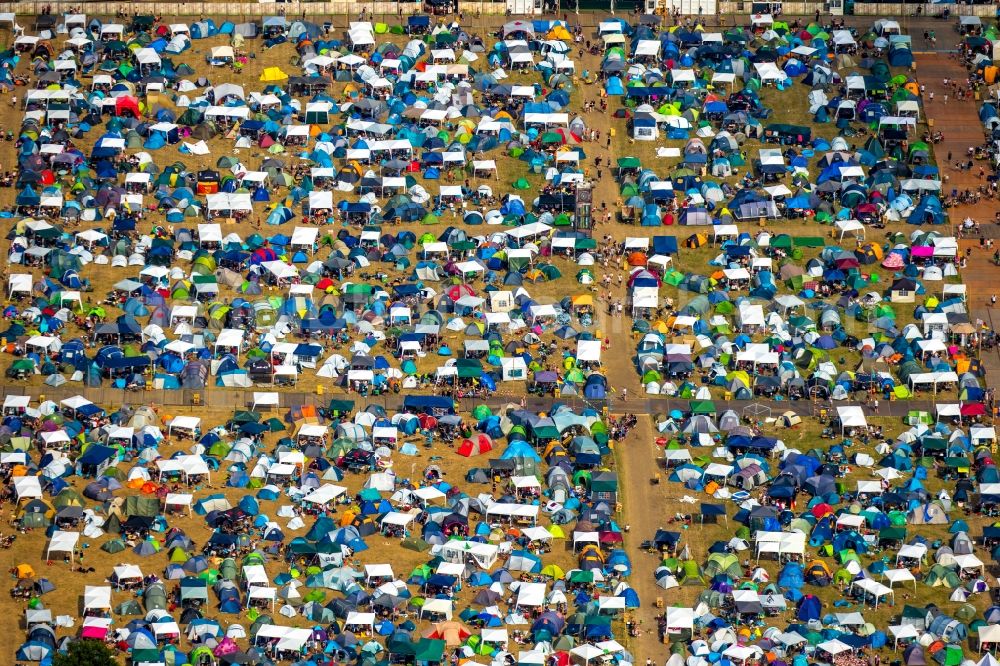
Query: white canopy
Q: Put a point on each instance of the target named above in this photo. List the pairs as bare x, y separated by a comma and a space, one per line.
62, 542
98, 597
851, 416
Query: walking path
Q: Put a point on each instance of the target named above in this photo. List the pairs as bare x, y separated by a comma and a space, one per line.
959, 122
228, 398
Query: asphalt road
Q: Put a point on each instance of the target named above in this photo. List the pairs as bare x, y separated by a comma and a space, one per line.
223, 398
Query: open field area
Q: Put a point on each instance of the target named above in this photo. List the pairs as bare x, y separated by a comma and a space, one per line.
459, 340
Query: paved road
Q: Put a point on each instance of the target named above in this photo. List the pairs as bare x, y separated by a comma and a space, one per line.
959, 122
189, 401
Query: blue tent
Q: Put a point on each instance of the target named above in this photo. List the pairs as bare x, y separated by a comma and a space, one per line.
810, 608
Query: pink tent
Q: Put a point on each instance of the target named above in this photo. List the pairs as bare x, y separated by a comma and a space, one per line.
225, 646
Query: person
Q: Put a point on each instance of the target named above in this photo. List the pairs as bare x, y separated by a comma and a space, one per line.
624, 394
993, 300
875, 405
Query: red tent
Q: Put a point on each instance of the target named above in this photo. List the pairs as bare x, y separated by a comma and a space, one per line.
474, 447
973, 409
127, 105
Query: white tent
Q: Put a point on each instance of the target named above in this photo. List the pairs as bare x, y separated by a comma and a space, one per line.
190, 424
324, 494
176, 501
588, 351
875, 589
989, 634
264, 399
679, 619
27, 487
15, 404
517, 512
18, 283
484, 555
899, 576
62, 542
851, 416
850, 226
902, 632
530, 594
438, 607
98, 597
780, 543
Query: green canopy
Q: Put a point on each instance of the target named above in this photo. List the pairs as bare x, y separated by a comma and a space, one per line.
469, 368
429, 650
704, 407
342, 406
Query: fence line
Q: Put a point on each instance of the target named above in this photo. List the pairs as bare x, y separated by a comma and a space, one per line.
401, 8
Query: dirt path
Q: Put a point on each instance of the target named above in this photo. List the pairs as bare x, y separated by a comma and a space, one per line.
649, 507
643, 504
981, 277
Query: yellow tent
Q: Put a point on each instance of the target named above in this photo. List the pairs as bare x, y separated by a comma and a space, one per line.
24, 571
820, 564
740, 375
49, 511
558, 32
553, 571
273, 74
875, 249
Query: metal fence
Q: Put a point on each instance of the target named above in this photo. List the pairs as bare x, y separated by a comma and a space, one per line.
590, 11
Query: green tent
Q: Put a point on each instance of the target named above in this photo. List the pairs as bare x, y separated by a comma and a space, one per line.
341, 407
723, 563
702, 407
782, 242
469, 368
429, 651
113, 546
415, 544
691, 574
673, 278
